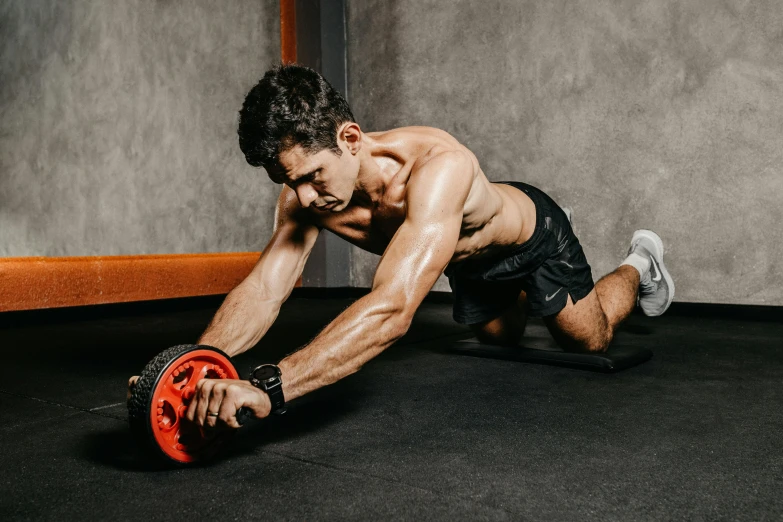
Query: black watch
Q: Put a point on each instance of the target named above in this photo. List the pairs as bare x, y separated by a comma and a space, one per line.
267, 378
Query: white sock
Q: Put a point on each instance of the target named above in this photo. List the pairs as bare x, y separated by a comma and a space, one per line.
640, 263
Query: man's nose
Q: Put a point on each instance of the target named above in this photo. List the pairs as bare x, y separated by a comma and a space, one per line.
306, 195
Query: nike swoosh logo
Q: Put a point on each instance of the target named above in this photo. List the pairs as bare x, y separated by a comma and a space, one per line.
656, 272
550, 297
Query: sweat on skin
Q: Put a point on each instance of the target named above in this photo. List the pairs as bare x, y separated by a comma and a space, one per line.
416, 196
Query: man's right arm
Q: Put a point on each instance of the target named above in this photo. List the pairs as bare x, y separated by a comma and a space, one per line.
250, 309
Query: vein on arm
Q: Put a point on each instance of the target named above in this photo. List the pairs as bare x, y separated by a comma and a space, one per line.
416, 256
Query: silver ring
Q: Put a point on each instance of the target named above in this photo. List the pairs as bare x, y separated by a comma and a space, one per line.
212, 414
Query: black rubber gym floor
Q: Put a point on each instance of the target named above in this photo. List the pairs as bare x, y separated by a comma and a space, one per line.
420, 433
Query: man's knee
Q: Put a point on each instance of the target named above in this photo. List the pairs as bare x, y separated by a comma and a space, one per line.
597, 345
596, 341
581, 327
498, 332
497, 340
505, 330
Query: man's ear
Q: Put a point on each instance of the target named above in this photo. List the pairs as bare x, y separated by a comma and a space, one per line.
351, 134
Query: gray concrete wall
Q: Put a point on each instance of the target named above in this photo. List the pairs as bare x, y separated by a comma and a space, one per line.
665, 114
118, 126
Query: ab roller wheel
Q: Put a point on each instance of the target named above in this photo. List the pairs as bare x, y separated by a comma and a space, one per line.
161, 397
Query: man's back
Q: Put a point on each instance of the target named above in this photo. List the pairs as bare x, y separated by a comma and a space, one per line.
491, 215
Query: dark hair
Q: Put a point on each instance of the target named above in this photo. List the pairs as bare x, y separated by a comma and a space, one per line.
291, 105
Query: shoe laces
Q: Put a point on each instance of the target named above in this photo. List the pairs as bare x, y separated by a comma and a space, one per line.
646, 285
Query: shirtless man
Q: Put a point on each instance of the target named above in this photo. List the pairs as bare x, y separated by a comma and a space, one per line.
419, 198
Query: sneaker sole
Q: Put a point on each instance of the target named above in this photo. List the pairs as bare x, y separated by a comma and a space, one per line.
656, 239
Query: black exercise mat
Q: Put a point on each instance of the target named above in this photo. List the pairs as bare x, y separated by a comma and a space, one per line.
617, 358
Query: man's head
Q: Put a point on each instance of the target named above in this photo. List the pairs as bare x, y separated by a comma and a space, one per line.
301, 130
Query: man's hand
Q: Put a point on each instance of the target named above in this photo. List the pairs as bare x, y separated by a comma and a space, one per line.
221, 399
131, 385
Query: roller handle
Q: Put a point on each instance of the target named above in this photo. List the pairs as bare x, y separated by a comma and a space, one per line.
244, 415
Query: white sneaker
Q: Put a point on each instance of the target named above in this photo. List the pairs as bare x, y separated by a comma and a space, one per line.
656, 288
569, 212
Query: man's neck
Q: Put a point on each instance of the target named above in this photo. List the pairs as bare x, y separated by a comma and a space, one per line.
372, 181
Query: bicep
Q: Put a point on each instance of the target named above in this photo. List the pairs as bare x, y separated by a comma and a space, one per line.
426, 241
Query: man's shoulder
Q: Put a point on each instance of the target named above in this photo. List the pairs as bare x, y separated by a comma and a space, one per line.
415, 129
452, 170
431, 157
418, 138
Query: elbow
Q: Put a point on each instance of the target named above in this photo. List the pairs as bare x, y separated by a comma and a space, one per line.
399, 324
387, 321
389, 326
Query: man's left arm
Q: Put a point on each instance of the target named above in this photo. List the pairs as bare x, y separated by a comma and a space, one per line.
416, 256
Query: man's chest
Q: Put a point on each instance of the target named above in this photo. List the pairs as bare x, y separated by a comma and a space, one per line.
368, 228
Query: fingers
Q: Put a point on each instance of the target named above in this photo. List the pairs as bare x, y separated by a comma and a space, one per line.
232, 402
203, 392
131, 385
197, 411
191, 413
221, 397
213, 407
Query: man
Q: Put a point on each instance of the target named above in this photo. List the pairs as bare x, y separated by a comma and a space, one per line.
420, 199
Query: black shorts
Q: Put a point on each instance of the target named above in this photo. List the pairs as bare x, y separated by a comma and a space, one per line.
548, 267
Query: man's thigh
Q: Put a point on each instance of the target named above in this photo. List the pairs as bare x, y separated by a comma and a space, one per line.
580, 326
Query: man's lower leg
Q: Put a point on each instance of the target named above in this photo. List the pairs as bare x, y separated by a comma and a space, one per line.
617, 294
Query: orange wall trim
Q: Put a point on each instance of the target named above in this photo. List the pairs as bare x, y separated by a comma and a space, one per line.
28, 283
288, 31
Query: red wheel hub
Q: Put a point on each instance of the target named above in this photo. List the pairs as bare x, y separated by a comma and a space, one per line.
177, 437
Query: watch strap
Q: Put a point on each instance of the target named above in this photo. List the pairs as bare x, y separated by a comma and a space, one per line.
275, 392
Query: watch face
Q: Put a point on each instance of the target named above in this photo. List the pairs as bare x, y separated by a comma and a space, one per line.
263, 373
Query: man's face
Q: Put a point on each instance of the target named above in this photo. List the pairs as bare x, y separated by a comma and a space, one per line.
322, 179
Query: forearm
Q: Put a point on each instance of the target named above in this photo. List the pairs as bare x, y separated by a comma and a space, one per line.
241, 321
360, 333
